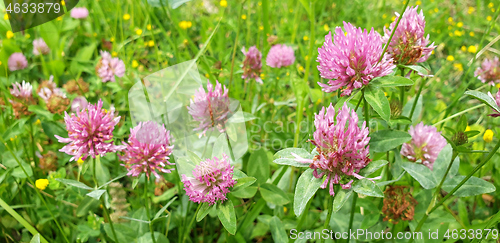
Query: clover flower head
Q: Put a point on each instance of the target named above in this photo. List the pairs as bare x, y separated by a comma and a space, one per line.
210, 108
17, 61
352, 59
109, 67
280, 56
22, 90
342, 147
210, 181
79, 13
40, 47
79, 103
425, 144
408, 45
252, 64
489, 71
90, 132
148, 150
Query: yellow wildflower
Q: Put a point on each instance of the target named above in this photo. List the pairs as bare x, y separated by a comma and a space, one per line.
326, 27
261, 27
6, 16
9, 34
450, 58
63, 3
306, 38
418, 2
489, 18
41, 184
223, 3
80, 161
148, 27
151, 43
243, 16
135, 63
114, 53
463, 48
471, 10
138, 32
458, 66
460, 24
467, 128
472, 49
488, 136
126, 16
262, 76
491, 5
471, 34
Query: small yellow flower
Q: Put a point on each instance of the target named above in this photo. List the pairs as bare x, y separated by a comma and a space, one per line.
126, 16
185, 24
11, 139
114, 53
262, 76
306, 57
393, 18
148, 27
306, 38
95, 34
223, 3
243, 16
458, 33
260, 3
450, 58
491, 5
471, 10
80, 161
6, 16
59, 18
471, 34
135, 63
460, 24
418, 2
463, 48
301, 69
492, 10
488, 136
138, 32
489, 18
326, 27
9, 34
432, 52
151, 43
285, 209
386, 25
41, 184
261, 27
458, 66
112, 39
38, 122
384, 16
63, 3
467, 128
290, 10
385, 94
207, 75
497, 85
450, 20
0, 63
450, 34
472, 49
287, 73
27, 36
185, 42
436, 10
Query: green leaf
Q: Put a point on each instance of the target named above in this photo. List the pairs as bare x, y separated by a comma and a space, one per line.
35, 239
50, 34
243, 182
124, 233
204, 209
19, 173
377, 100
307, 185
273, 194
74, 183
227, 216
277, 230
421, 173
462, 123
285, 157
136, 220
419, 69
259, 166
416, 112
385, 140
19, 219
391, 81
240, 117
473, 186
86, 205
51, 128
369, 220
340, 198
146, 238
158, 214
96, 194
41, 112
486, 99
372, 167
367, 187
246, 192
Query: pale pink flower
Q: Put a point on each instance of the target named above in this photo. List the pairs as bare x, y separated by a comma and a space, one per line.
489, 71
108, 67
210, 181
17, 61
408, 45
79, 103
40, 47
90, 132
351, 60
280, 56
342, 147
252, 64
425, 145
148, 150
22, 91
51, 89
79, 13
210, 108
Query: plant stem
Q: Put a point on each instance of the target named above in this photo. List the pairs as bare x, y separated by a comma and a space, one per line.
415, 101
304, 214
458, 114
21, 220
106, 213
328, 215
353, 208
147, 208
490, 155
188, 228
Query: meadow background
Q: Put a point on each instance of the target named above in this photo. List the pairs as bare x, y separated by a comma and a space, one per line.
154, 34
